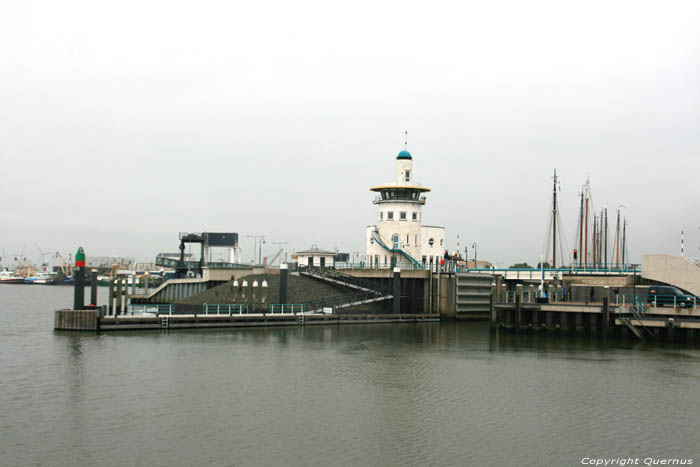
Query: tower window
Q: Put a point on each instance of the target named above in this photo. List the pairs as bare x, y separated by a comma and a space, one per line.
390, 215
408, 175
415, 216
402, 216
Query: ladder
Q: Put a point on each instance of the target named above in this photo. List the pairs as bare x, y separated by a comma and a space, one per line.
164, 323
301, 319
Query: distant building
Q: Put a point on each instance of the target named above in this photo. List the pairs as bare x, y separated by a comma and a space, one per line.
399, 237
316, 257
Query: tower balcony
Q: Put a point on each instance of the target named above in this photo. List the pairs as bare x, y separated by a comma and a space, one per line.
380, 200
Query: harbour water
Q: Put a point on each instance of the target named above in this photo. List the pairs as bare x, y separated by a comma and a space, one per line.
409, 394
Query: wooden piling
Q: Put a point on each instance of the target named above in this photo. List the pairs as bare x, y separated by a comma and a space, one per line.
110, 303
396, 299
119, 297
93, 287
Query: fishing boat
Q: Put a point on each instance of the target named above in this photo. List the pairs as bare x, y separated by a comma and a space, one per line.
9, 277
42, 278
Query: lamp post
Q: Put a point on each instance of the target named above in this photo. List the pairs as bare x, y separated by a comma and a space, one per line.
476, 265
355, 255
255, 243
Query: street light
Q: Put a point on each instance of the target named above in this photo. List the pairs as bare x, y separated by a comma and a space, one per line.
475, 263
255, 244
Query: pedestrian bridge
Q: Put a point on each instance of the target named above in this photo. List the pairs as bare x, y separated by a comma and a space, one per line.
681, 272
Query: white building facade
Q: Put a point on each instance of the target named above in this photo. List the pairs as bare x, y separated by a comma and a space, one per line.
399, 237
316, 257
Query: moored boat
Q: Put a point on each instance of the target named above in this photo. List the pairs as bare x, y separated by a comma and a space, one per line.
9, 277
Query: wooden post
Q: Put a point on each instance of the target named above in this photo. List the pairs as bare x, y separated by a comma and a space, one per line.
606, 315
119, 296
235, 289
93, 287
518, 312
284, 283
110, 303
396, 300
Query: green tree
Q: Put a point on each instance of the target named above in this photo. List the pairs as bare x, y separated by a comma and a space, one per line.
521, 266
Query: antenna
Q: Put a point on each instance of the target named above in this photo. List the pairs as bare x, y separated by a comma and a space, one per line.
405, 140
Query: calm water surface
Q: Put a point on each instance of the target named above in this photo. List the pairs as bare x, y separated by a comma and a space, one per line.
431, 394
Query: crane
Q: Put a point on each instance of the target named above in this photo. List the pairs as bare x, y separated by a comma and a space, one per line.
66, 268
279, 245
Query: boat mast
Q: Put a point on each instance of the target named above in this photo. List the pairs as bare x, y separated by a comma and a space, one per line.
554, 221
606, 236
624, 242
617, 240
588, 197
580, 233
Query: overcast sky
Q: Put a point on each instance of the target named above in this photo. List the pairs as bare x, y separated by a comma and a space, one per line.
123, 123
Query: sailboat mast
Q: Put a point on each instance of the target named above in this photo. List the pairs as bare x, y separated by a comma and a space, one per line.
588, 196
617, 241
606, 237
580, 233
554, 221
624, 242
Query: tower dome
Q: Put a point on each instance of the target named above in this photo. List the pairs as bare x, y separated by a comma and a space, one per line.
404, 155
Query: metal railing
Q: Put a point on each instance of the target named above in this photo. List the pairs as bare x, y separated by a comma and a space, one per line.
173, 263
346, 299
223, 309
656, 301
287, 308
146, 308
403, 265
335, 275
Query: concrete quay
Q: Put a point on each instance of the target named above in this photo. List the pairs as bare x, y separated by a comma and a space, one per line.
92, 320
597, 318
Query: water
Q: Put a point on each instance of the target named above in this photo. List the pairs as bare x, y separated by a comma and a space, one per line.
430, 394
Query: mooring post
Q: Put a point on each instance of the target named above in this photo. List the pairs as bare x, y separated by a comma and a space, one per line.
284, 275
255, 296
79, 286
93, 287
119, 297
235, 290
669, 328
263, 294
518, 315
244, 291
605, 317
110, 303
396, 300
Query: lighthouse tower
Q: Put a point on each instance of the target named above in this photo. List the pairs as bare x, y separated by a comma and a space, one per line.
399, 238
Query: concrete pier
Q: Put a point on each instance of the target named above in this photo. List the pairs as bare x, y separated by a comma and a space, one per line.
90, 320
598, 318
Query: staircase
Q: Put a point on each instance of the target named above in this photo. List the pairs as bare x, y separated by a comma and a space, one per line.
366, 291
411, 259
336, 277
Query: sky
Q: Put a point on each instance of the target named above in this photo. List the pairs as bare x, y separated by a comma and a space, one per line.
124, 123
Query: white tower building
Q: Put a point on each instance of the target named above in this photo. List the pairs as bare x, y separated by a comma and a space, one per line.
399, 237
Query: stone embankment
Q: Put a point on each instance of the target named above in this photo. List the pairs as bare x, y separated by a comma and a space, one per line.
301, 289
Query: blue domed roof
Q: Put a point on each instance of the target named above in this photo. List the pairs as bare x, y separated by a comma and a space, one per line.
404, 155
